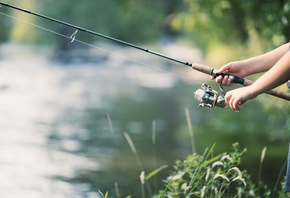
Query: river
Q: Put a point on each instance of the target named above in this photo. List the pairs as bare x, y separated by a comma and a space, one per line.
47, 132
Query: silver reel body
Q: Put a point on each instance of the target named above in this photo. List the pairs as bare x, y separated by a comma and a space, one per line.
207, 97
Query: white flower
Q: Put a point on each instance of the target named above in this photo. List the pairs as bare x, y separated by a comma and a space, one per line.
240, 192
241, 179
217, 163
221, 176
237, 170
185, 187
240, 176
207, 174
227, 157
215, 190
203, 192
177, 176
142, 177
252, 193
263, 154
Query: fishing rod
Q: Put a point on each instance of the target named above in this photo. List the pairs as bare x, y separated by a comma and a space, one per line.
206, 96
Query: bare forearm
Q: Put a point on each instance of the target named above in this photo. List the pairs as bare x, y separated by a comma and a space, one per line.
265, 61
276, 76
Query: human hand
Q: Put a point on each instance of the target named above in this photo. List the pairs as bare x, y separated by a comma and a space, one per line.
236, 68
235, 98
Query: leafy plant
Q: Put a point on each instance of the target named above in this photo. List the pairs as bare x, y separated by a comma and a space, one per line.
233, 20
219, 176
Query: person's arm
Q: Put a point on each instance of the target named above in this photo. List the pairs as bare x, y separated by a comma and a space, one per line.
252, 65
266, 61
277, 75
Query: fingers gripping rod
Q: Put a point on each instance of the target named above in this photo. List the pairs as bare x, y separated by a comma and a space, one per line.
195, 66
202, 95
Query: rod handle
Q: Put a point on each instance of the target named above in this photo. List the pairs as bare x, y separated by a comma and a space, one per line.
235, 79
247, 82
238, 80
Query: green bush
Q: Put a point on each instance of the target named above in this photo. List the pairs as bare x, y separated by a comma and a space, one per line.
219, 176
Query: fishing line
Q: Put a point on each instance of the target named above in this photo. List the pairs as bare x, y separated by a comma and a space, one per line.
74, 39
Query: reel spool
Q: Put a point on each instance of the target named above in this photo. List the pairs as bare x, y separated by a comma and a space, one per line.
207, 97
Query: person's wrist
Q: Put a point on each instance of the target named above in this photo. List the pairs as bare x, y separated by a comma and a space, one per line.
255, 90
247, 67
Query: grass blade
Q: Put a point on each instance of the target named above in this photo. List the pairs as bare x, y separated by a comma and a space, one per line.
133, 148
190, 130
156, 171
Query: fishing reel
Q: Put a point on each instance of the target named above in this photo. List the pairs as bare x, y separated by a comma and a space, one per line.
207, 97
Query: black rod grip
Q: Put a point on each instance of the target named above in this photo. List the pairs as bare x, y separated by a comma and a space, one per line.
235, 79
246, 82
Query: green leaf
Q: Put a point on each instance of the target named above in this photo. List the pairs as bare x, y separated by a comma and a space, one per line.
106, 195
156, 171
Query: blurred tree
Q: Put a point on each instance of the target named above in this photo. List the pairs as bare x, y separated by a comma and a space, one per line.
169, 9
143, 21
21, 31
132, 21
235, 20
269, 18
4, 23
89, 14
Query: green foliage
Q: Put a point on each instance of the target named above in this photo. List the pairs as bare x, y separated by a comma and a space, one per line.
104, 195
204, 21
220, 176
125, 20
132, 21
278, 111
155, 172
269, 18
4, 23
235, 21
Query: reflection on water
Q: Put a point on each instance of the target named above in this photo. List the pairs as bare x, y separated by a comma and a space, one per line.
56, 140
